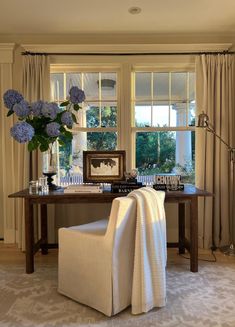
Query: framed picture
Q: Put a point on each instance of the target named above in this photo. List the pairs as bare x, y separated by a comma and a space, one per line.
104, 166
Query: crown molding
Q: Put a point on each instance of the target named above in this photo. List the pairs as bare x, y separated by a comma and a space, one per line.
6, 53
126, 48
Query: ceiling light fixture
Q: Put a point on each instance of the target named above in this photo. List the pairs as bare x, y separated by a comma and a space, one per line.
134, 10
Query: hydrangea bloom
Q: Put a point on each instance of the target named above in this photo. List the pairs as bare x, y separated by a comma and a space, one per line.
76, 95
21, 109
41, 123
50, 110
53, 129
22, 132
12, 97
37, 108
67, 119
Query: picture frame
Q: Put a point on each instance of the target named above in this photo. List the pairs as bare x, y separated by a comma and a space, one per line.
104, 166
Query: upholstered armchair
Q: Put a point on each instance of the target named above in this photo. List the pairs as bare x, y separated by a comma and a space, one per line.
96, 259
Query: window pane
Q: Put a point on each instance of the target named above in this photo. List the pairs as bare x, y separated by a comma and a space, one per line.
73, 79
91, 86
155, 152
71, 154
160, 114
178, 114
192, 113
161, 86
108, 86
65, 158
185, 156
92, 116
109, 115
101, 141
179, 86
166, 152
57, 87
143, 85
143, 114
192, 86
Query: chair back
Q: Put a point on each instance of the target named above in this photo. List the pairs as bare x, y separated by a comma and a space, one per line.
121, 233
121, 220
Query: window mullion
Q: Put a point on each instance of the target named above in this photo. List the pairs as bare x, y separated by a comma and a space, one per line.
169, 102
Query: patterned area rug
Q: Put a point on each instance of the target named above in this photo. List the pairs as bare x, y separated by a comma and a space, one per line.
199, 299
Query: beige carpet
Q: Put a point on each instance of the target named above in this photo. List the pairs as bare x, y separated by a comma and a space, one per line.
206, 299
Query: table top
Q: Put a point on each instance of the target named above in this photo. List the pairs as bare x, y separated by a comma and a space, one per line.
106, 196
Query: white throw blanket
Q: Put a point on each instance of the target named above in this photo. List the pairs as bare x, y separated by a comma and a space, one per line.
149, 277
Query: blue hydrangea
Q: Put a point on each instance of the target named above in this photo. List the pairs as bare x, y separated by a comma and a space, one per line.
22, 109
37, 108
76, 95
53, 129
50, 110
67, 119
11, 97
22, 132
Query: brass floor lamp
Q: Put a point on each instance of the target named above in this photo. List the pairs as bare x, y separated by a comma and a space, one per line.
203, 121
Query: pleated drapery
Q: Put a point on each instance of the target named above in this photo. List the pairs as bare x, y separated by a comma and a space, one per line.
13, 166
215, 95
36, 86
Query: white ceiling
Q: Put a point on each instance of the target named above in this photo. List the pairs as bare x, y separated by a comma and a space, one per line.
111, 16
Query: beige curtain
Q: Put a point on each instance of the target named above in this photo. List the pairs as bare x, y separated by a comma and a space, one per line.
36, 86
215, 95
13, 165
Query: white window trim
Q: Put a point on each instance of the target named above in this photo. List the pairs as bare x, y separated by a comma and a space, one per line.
124, 65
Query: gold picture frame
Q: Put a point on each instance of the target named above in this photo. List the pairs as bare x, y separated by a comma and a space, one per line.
104, 166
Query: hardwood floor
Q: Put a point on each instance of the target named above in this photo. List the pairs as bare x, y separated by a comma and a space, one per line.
10, 254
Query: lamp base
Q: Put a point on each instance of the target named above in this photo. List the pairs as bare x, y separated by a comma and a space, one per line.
228, 250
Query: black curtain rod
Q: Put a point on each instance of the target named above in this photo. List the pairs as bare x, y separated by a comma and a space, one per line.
27, 53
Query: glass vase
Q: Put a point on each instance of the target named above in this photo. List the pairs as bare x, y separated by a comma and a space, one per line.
50, 166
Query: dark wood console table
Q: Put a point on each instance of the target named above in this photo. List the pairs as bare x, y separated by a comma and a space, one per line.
190, 194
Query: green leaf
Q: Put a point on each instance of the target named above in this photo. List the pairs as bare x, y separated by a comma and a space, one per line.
33, 144
62, 129
64, 104
76, 107
61, 142
74, 118
68, 135
44, 147
10, 112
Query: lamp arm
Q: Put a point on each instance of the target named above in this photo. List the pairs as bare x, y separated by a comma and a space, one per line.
211, 130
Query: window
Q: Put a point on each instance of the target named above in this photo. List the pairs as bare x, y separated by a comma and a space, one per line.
163, 126
97, 120
157, 130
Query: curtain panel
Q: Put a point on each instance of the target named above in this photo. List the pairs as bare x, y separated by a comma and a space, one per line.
215, 95
13, 164
35, 86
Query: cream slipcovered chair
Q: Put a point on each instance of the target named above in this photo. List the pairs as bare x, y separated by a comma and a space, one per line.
96, 259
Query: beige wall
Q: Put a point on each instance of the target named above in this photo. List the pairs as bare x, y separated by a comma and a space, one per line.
119, 38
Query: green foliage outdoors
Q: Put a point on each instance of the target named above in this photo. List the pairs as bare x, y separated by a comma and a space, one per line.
155, 151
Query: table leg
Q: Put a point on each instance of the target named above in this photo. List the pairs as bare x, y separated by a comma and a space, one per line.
181, 227
29, 236
44, 229
194, 234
